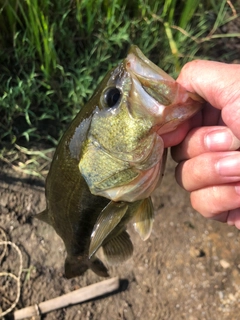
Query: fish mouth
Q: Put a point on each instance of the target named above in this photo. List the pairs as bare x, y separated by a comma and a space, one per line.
139, 64
156, 95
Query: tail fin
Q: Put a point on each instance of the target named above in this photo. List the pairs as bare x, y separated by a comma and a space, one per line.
76, 266
43, 216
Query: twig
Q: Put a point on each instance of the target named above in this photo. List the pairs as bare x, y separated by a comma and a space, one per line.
208, 38
77, 296
234, 11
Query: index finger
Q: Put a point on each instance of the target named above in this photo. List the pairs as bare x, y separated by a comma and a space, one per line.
205, 139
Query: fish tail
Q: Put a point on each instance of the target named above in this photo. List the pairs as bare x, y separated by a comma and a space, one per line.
43, 216
76, 266
98, 267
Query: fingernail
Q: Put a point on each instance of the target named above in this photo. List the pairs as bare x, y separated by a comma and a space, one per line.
221, 140
234, 217
237, 188
229, 166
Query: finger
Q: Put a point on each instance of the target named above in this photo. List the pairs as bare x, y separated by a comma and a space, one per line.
231, 117
216, 201
175, 137
208, 169
217, 83
205, 139
211, 116
233, 218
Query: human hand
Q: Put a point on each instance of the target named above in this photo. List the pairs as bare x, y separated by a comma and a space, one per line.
209, 157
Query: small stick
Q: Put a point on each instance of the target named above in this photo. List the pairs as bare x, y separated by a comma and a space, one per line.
77, 296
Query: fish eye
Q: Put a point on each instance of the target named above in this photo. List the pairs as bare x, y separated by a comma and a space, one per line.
111, 96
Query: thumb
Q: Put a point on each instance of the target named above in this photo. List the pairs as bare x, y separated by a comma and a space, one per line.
218, 83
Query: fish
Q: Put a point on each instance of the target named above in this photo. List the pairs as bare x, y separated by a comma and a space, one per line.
110, 160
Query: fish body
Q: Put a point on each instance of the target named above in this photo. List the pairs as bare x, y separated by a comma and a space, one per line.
110, 160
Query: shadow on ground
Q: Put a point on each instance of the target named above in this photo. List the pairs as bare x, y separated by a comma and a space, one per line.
188, 269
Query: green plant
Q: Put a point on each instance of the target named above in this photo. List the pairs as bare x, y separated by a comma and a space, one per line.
54, 53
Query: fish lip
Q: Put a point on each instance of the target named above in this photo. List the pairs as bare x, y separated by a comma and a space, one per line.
159, 97
144, 73
138, 64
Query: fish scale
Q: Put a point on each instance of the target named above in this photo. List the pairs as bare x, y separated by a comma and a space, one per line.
110, 160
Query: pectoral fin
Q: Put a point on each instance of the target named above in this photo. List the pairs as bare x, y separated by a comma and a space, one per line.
118, 249
143, 218
108, 219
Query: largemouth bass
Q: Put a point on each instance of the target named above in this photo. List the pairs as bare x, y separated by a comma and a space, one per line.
110, 160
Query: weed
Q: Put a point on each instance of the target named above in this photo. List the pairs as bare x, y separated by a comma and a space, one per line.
54, 53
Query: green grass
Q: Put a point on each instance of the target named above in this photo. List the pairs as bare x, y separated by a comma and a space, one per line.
54, 53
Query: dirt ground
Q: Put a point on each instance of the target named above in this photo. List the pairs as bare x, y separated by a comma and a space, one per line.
189, 268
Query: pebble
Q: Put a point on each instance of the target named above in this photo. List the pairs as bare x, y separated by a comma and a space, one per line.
224, 264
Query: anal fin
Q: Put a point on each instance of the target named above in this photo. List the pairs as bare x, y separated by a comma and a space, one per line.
118, 248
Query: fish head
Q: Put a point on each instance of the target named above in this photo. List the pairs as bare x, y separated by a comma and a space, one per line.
122, 156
